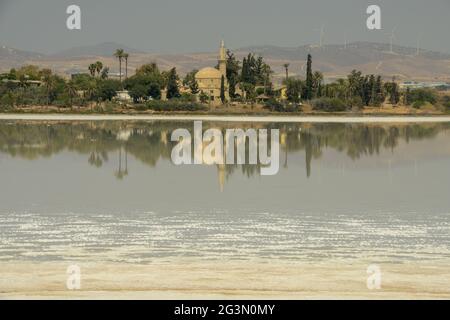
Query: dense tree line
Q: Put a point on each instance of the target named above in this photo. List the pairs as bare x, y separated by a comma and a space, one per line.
247, 79
150, 143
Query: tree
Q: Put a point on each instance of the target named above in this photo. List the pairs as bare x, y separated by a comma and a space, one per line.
233, 68
194, 87
395, 94
107, 89
91, 89
190, 81
147, 76
139, 92
148, 69
356, 85
379, 94
126, 56
317, 84
286, 68
373, 91
266, 72
392, 89
49, 84
105, 73
92, 69
71, 91
309, 79
255, 72
222, 89
172, 84
203, 97
293, 89
406, 98
119, 55
98, 67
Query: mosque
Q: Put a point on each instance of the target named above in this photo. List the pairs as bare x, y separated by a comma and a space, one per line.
209, 79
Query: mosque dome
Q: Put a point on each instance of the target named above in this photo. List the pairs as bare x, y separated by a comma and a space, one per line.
209, 73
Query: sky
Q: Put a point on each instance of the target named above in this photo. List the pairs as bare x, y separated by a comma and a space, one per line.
178, 26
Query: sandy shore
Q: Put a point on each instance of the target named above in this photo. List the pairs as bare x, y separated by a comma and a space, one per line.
224, 280
316, 119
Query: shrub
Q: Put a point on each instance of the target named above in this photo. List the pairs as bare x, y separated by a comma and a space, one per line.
274, 105
329, 105
107, 89
418, 104
7, 101
188, 97
174, 105
446, 102
422, 96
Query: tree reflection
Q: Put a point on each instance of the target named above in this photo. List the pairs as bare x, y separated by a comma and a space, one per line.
149, 142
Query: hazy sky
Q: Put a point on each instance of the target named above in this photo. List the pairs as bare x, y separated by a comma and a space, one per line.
198, 25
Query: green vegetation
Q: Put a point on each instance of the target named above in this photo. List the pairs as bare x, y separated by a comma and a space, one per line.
190, 81
419, 97
145, 84
254, 73
174, 105
249, 81
446, 103
148, 143
329, 105
172, 84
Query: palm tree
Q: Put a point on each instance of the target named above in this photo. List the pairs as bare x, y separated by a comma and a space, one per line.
98, 67
90, 89
23, 83
286, 67
105, 73
119, 55
71, 91
266, 72
92, 69
126, 56
119, 173
49, 85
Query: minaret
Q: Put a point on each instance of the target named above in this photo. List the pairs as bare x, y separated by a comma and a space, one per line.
223, 60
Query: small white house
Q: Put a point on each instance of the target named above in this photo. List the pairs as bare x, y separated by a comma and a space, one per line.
123, 95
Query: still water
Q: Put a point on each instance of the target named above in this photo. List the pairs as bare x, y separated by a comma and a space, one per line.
108, 191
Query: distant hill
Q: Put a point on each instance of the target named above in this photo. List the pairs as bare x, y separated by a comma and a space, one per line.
356, 52
98, 50
338, 60
333, 60
14, 57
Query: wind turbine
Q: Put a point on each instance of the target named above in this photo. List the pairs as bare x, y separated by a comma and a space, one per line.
322, 35
391, 39
419, 36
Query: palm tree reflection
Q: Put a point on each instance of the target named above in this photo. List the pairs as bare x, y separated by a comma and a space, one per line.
149, 142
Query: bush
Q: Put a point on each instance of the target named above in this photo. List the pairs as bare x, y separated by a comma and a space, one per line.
174, 105
274, 105
329, 105
418, 104
188, 97
107, 89
422, 96
446, 102
7, 101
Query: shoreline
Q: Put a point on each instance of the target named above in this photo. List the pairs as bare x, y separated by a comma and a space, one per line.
194, 279
231, 118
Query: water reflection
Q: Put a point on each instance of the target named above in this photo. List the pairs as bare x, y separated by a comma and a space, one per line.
108, 190
150, 142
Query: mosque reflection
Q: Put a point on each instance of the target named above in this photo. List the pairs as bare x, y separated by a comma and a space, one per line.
150, 142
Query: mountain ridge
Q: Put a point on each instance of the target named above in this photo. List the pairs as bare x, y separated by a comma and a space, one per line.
334, 60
